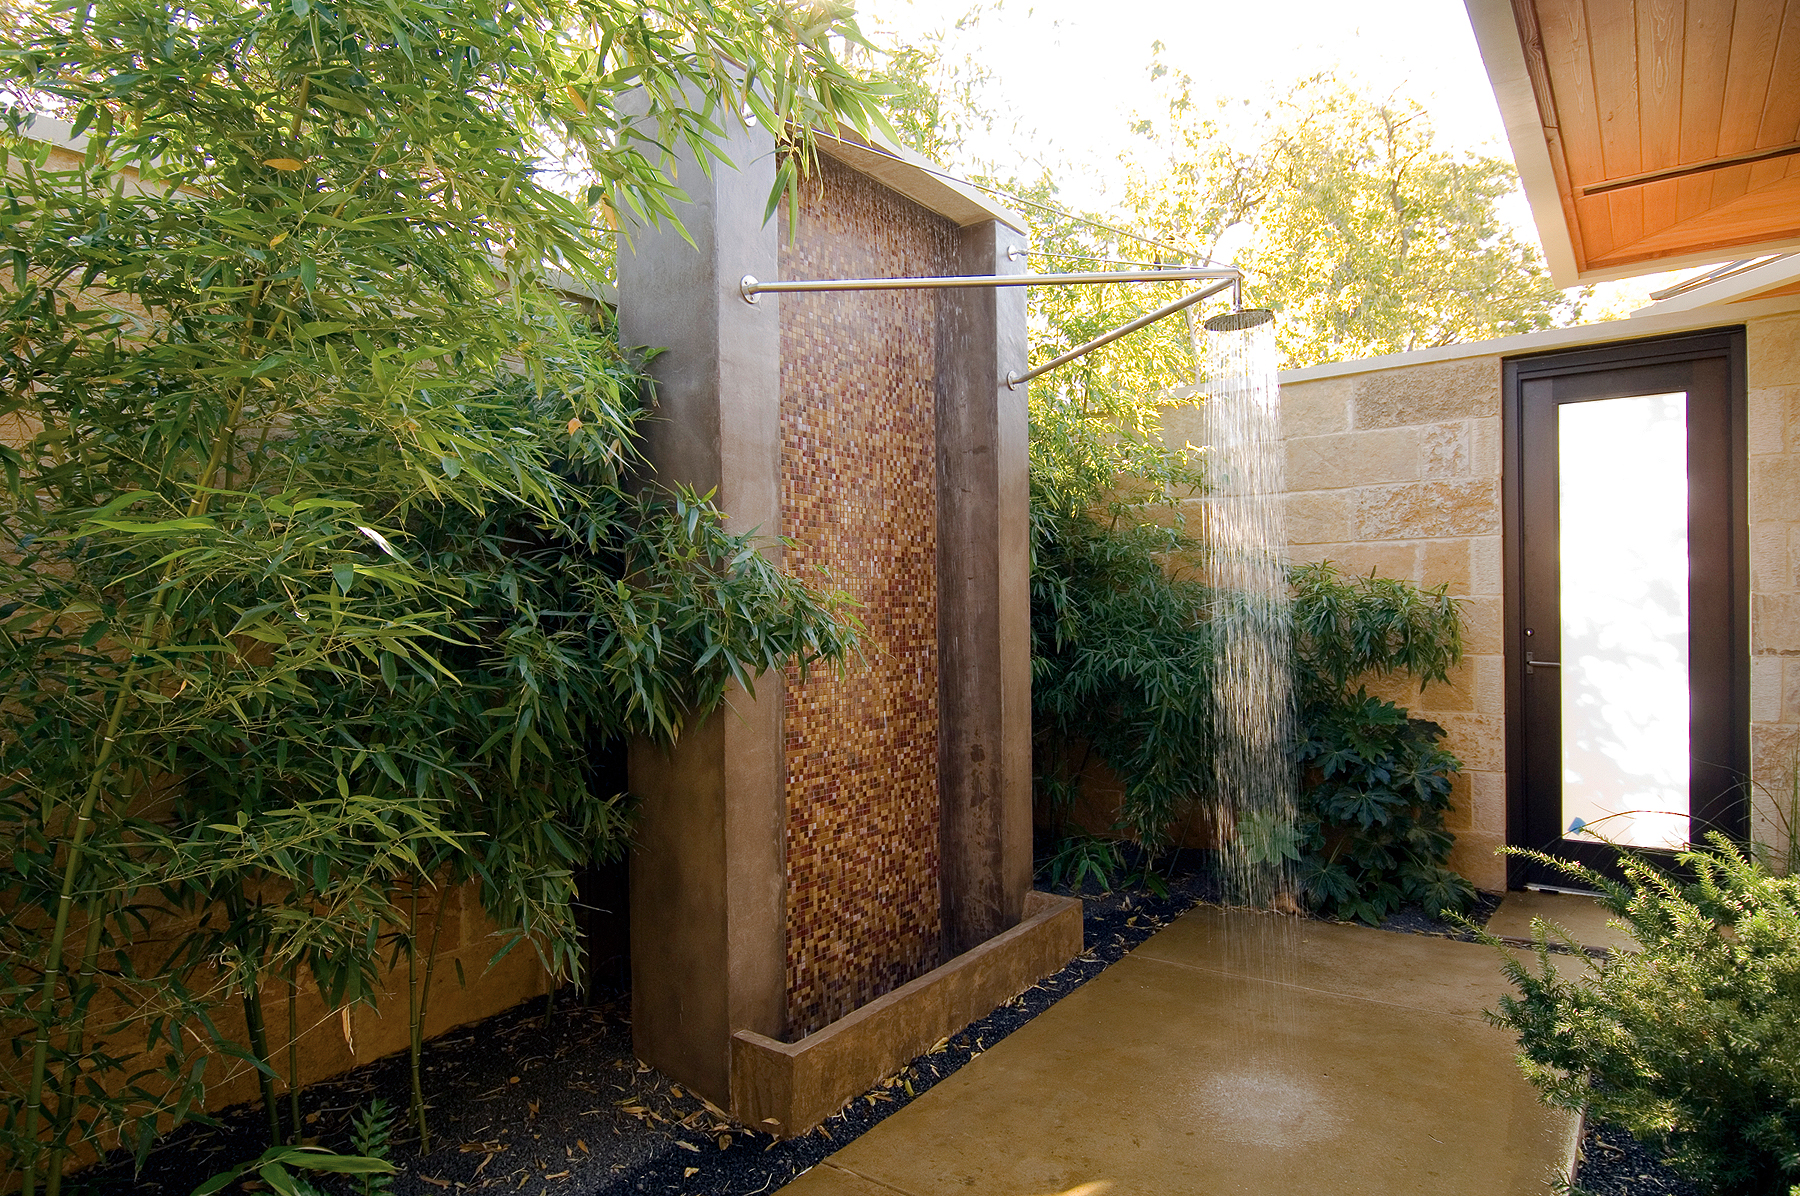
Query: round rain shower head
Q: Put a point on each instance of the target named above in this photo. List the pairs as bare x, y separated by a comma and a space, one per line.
1239, 321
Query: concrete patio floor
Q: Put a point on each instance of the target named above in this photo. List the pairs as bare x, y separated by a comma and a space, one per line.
1236, 1053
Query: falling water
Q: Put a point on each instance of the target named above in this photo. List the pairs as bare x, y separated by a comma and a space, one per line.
1252, 714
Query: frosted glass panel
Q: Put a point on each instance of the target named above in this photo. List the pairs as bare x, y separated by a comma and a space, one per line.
1623, 499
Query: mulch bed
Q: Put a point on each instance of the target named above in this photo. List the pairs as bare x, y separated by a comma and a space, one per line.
558, 1105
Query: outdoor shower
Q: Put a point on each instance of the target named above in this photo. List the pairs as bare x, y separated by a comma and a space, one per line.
1252, 799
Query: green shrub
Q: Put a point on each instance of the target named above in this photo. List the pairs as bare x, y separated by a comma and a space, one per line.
1120, 661
320, 562
1375, 782
1691, 1041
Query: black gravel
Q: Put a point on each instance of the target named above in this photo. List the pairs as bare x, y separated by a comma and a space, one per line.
1613, 1163
557, 1105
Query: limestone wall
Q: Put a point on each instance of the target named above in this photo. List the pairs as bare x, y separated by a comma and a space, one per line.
1398, 470
1774, 433
1394, 464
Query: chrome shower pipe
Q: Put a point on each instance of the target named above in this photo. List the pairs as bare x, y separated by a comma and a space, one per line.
750, 287
1014, 381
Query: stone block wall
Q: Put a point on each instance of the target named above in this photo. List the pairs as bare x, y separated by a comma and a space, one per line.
1395, 465
1773, 359
1398, 470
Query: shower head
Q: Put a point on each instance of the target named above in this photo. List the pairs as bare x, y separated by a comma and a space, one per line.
1239, 321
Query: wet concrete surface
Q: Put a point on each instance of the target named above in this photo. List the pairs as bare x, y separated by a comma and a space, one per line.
1236, 1052
1583, 919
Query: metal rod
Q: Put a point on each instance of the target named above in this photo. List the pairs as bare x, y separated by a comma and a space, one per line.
750, 287
1014, 381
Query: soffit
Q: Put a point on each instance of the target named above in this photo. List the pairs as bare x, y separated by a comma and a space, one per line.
1650, 134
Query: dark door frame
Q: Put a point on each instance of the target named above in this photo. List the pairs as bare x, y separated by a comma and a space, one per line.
1724, 343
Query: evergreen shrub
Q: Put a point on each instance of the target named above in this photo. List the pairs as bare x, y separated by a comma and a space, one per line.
1692, 1039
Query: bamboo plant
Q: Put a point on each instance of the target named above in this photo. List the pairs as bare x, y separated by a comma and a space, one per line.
318, 564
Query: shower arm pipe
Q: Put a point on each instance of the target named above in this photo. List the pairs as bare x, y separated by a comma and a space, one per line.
1228, 279
1016, 380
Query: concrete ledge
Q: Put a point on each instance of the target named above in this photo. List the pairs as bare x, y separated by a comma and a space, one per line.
787, 1088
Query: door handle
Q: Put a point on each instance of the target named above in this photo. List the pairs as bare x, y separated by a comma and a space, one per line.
1531, 665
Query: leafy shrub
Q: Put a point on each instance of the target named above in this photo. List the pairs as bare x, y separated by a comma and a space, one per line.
320, 565
1376, 781
1120, 661
1693, 1040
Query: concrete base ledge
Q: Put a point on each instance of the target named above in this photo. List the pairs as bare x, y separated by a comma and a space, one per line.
787, 1088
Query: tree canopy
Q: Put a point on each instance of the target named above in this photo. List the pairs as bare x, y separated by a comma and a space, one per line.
1350, 219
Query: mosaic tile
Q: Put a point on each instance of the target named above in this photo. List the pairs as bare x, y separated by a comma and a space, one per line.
859, 502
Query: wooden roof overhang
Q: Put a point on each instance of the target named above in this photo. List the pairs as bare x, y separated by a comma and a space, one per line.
1650, 134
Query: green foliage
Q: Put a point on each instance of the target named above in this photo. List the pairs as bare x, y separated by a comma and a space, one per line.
1080, 860
319, 570
371, 1134
1376, 782
1120, 654
1692, 1041
275, 1167
1363, 233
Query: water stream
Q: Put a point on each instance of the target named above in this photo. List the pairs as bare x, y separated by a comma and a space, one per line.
1254, 781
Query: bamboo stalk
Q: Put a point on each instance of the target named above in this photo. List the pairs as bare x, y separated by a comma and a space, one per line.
412, 1019
259, 1046
293, 1051
71, 1074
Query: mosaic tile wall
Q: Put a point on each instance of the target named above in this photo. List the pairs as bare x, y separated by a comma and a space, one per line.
859, 500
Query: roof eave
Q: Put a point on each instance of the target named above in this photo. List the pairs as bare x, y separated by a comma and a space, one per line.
1497, 35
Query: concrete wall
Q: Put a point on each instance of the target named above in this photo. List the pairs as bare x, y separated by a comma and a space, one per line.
810, 850
1394, 464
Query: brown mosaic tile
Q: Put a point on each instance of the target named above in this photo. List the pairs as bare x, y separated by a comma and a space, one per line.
859, 502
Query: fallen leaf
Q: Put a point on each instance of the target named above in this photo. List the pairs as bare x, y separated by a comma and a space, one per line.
687, 1146
288, 164
581, 1146
436, 1183
724, 1141
557, 1175
690, 1172
513, 1080
533, 1107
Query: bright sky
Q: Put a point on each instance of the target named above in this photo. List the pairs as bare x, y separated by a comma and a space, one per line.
1069, 74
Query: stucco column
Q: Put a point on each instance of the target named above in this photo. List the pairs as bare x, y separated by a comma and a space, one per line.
708, 885
984, 598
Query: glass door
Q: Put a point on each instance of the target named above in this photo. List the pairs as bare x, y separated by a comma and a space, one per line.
1627, 667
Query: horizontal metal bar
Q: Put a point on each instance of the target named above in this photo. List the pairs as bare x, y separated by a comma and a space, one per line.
750, 287
1746, 158
1014, 381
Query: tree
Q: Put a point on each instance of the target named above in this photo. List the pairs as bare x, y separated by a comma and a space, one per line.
1354, 224
319, 562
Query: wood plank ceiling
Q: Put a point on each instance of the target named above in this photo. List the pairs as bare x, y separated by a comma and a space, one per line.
1673, 125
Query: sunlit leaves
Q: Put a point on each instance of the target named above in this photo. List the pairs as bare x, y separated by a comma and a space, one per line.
1691, 1038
